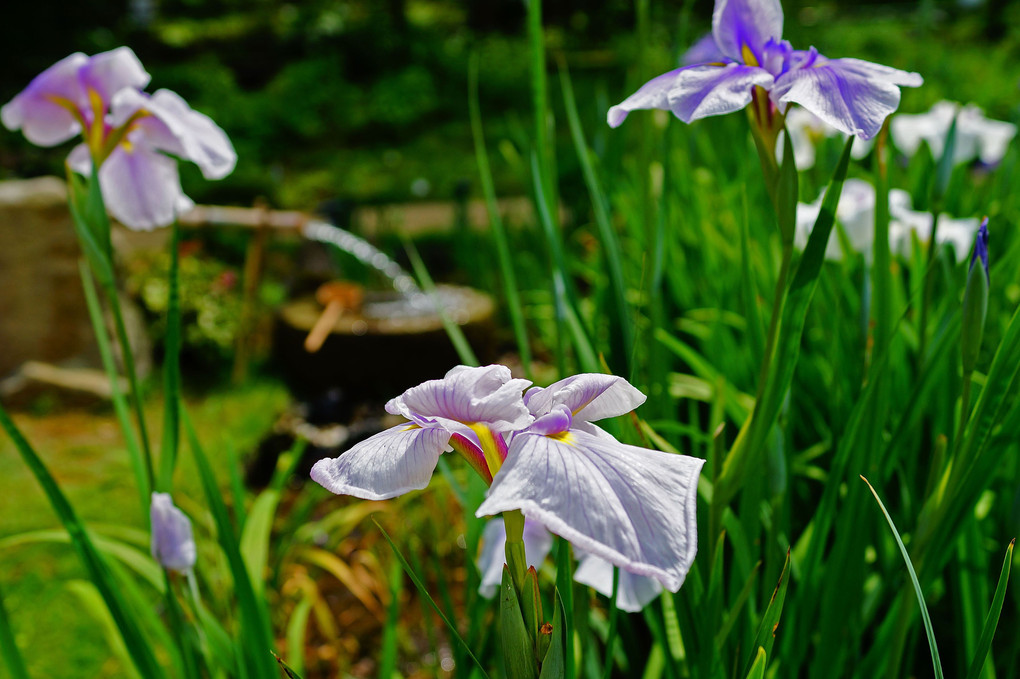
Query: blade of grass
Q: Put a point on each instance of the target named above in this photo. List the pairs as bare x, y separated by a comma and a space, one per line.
506, 267
425, 593
120, 404
8, 647
95, 566
566, 308
992, 619
936, 663
256, 638
453, 331
623, 323
171, 368
565, 592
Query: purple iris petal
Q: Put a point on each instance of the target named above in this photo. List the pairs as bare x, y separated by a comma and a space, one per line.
631, 506
653, 94
173, 126
487, 395
746, 23
703, 91
141, 186
851, 95
537, 545
391, 463
43, 121
704, 51
981, 248
107, 73
173, 545
589, 396
634, 591
556, 421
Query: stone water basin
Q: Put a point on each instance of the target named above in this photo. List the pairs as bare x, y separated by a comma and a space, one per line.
391, 343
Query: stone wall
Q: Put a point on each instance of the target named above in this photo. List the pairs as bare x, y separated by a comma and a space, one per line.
42, 308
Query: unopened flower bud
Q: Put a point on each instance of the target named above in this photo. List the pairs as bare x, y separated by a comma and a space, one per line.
173, 545
975, 301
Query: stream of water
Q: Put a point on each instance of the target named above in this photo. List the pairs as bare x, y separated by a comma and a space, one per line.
411, 301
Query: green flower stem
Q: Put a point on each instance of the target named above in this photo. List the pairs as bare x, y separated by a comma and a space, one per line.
516, 558
120, 405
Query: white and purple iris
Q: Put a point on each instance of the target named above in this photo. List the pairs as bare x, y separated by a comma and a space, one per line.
126, 132
632, 507
746, 52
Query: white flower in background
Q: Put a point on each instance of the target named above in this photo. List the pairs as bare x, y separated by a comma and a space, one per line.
976, 136
856, 214
807, 131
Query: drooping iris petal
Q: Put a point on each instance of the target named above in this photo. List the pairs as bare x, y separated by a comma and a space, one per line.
173, 126
107, 73
631, 506
653, 94
750, 23
537, 545
589, 396
703, 91
704, 51
395, 461
173, 544
634, 591
35, 111
851, 95
141, 186
488, 395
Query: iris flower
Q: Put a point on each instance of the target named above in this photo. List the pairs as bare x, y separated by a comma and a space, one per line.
173, 545
851, 95
125, 131
855, 212
632, 507
976, 136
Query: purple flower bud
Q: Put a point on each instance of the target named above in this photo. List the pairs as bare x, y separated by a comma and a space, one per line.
981, 248
173, 544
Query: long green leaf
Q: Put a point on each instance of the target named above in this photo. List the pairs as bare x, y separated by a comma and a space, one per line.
95, 566
171, 368
255, 633
932, 644
453, 331
622, 323
8, 647
120, 404
766, 635
506, 266
423, 591
992, 619
92, 603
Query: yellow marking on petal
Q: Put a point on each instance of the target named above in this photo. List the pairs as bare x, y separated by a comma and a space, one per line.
748, 56
489, 447
563, 437
95, 133
410, 426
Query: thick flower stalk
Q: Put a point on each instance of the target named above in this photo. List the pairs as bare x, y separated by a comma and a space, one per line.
751, 62
128, 134
630, 506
